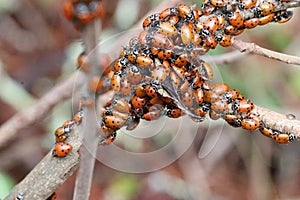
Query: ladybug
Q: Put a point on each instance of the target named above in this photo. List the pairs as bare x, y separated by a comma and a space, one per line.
167, 29
221, 19
235, 19
252, 122
284, 17
187, 33
53, 196
167, 12
120, 64
144, 37
133, 123
247, 4
125, 87
165, 54
156, 100
243, 106
187, 98
224, 40
199, 26
19, 196
154, 113
144, 61
182, 60
109, 139
133, 42
233, 120
121, 105
115, 82
149, 20
161, 41
184, 11
96, 9
114, 122
266, 19
161, 72
197, 41
206, 71
78, 117
174, 113
61, 132
62, 149
134, 75
266, 8
210, 41
218, 3
219, 106
68, 9
251, 23
212, 23
201, 112
230, 30
119, 115
83, 63
281, 138
178, 70
198, 94
176, 81
106, 130
140, 91
232, 95
219, 88
214, 115
173, 19
151, 91
138, 102
207, 9
266, 131
82, 13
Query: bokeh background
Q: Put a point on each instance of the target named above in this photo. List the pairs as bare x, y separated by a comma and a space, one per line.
37, 53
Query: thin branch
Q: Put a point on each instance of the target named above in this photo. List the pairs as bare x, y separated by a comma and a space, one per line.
279, 122
87, 161
255, 49
223, 58
34, 113
50, 173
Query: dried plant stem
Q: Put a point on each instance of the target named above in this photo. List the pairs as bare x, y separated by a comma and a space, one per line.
85, 173
255, 49
279, 122
34, 113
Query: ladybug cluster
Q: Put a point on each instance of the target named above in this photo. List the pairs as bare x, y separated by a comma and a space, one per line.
81, 12
160, 72
63, 148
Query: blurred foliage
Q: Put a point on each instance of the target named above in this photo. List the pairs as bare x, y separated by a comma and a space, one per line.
6, 184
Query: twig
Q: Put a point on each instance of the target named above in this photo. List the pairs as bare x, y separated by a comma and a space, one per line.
50, 173
28, 116
87, 160
255, 49
223, 58
279, 122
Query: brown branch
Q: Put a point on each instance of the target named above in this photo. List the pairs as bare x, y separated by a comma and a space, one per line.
278, 122
223, 58
255, 49
50, 173
34, 113
87, 161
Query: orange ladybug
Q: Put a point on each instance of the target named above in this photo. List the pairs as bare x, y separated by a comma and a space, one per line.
62, 149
